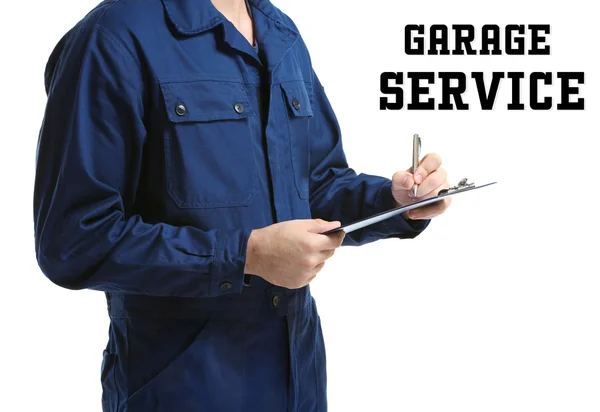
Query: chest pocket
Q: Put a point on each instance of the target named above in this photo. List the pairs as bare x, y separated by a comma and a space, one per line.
299, 112
208, 153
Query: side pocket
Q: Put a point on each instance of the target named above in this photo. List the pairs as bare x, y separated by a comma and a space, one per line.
320, 367
110, 391
207, 375
299, 111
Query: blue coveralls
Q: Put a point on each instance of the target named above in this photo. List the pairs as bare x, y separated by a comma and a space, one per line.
166, 140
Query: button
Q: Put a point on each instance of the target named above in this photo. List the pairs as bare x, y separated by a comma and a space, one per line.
180, 109
226, 285
239, 108
276, 300
296, 104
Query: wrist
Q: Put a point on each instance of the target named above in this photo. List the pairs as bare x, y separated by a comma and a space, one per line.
252, 253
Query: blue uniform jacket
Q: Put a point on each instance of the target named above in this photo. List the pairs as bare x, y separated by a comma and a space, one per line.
166, 140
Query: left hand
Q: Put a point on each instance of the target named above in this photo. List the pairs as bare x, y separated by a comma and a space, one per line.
431, 178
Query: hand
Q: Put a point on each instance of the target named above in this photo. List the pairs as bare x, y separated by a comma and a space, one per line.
431, 178
290, 254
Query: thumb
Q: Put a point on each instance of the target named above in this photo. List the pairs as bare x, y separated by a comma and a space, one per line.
402, 181
320, 225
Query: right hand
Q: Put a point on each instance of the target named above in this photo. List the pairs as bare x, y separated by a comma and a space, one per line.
291, 253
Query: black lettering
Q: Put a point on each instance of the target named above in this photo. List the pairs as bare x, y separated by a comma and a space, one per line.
384, 103
566, 90
519, 41
418, 41
536, 39
442, 40
487, 100
456, 91
417, 90
534, 103
516, 77
490, 36
463, 40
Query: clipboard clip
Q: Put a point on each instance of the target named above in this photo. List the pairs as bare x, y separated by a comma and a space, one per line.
463, 184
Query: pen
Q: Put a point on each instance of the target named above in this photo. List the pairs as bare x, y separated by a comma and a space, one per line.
415, 160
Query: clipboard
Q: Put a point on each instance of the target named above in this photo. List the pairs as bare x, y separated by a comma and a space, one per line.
462, 187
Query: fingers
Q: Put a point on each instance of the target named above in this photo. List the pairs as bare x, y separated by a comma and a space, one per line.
430, 211
316, 260
314, 272
317, 270
428, 165
434, 209
402, 180
432, 184
327, 242
319, 249
313, 275
320, 225
326, 254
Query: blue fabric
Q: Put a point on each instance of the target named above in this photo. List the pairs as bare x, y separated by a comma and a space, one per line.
166, 140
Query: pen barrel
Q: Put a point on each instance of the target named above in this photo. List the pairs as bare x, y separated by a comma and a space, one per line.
416, 152
415, 159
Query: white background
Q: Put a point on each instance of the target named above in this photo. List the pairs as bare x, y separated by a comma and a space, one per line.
494, 308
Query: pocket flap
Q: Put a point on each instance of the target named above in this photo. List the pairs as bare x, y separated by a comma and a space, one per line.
297, 98
205, 101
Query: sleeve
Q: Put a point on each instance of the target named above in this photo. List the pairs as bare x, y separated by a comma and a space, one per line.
87, 172
338, 193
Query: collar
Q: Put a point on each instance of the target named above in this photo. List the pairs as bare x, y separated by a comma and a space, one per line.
190, 17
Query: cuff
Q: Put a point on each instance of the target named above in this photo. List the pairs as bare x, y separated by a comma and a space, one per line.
227, 275
397, 226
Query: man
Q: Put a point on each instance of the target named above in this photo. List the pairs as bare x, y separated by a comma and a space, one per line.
187, 163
